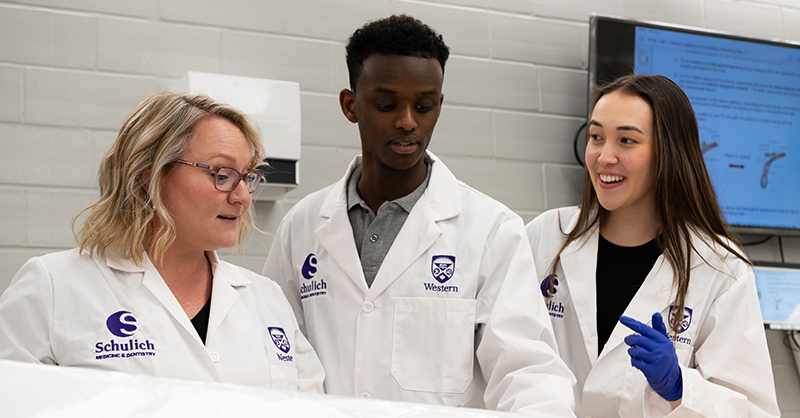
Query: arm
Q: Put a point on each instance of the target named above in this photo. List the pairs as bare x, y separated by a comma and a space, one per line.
732, 376
516, 347
26, 315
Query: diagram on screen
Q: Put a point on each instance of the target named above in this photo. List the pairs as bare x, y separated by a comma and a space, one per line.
772, 157
706, 146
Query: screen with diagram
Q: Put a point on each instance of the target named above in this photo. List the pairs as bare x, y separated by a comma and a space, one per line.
746, 96
779, 295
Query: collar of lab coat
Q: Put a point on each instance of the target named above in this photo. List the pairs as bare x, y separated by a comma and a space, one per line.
223, 292
226, 272
441, 200
442, 192
579, 262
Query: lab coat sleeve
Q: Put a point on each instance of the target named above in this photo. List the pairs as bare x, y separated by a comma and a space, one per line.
517, 348
279, 268
26, 315
715, 388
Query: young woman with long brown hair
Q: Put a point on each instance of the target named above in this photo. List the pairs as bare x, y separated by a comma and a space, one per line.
649, 243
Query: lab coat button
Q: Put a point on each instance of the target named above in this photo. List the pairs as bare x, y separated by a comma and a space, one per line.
366, 395
214, 356
367, 307
373, 237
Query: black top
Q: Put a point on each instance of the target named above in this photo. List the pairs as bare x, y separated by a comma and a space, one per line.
200, 321
620, 273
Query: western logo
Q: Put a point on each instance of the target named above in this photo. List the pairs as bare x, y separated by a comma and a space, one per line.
443, 267
281, 341
122, 324
686, 322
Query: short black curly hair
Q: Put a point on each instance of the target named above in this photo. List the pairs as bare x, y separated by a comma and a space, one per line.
395, 35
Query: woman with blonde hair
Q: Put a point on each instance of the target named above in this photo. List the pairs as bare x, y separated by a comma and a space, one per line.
145, 292
649, 243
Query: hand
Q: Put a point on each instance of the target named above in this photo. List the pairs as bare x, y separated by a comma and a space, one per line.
654, 355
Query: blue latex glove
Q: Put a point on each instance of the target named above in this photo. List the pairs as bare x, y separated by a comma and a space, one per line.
652, 352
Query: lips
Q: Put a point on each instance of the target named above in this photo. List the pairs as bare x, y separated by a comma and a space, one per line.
404, 145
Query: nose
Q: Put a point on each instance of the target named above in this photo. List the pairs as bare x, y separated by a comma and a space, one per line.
406, 119
608, 154
240, 194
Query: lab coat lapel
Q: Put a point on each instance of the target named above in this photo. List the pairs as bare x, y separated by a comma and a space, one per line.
336, 233
579, 262
416, 236
153, 281
223, 293
654, 294
441, 200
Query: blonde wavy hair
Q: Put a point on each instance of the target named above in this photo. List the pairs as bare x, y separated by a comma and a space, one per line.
155, 135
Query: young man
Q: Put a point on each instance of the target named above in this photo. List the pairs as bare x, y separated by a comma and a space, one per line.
411, 285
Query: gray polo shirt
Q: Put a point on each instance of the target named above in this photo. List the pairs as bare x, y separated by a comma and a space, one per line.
374, 234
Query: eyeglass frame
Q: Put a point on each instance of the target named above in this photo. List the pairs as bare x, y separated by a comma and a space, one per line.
216, 169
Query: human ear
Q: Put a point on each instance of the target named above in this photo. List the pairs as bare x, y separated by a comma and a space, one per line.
347, 101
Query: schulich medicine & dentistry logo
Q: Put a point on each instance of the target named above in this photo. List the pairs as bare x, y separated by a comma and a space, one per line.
311, 287
122, 324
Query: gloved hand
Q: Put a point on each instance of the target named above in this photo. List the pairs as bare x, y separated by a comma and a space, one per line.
652, 352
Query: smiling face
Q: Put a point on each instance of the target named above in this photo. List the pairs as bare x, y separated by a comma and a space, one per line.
207, 219
396, 105
621, 153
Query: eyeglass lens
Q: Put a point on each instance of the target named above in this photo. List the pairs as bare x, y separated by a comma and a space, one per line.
227, 179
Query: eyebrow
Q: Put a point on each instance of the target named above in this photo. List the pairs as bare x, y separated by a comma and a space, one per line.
390, 91
619, 128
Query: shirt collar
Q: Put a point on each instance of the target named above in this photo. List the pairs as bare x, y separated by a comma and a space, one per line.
406, 202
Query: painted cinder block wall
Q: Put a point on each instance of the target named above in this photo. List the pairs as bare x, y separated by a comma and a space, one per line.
515, 94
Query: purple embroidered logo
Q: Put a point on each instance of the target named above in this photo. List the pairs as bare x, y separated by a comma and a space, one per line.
122, 324
279, 338
443, 267
309, 269
685, 322
545, 286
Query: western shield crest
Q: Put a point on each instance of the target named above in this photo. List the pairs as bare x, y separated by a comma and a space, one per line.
686, 321
279, 338
443, 267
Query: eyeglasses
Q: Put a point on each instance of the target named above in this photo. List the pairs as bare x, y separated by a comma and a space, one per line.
226, 179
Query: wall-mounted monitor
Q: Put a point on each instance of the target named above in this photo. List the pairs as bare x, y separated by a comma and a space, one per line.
746, 95
779, 294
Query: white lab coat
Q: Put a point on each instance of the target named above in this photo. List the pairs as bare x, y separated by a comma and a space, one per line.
723, 352
478, 338
64, 308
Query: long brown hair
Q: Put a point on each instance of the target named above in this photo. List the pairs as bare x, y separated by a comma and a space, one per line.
684, 196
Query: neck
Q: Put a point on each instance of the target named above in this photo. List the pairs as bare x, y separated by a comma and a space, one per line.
629, 228
188, 275
381, 184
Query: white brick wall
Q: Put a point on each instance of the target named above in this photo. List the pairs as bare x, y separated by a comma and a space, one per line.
515, 93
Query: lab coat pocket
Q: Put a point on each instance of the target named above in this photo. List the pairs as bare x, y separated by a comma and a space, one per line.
685, 355
432, 345
283, 377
